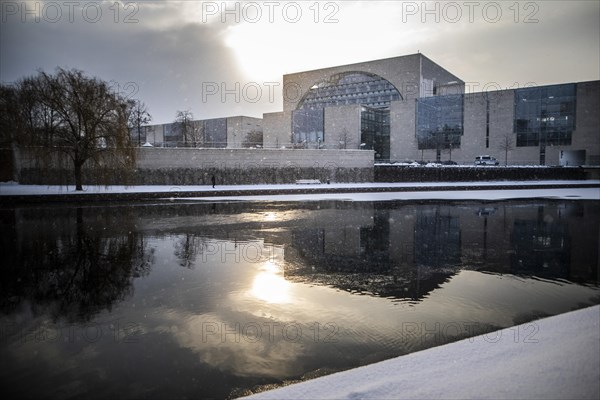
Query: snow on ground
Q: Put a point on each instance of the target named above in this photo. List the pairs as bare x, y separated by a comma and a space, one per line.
13, 188
553, 358
7, 189
490, 195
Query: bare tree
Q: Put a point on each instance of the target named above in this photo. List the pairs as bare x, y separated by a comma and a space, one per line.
188, 248
253, 138
184, 124
344, 139
196, 134
68, 117
507, 143
9, 122
138, 115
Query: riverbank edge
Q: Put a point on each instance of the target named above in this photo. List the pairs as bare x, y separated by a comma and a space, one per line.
559, 358
7, 199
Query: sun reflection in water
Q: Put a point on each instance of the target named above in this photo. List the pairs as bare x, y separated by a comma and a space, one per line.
270, 286
270, 216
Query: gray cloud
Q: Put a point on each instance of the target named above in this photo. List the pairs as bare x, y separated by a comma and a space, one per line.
170, 53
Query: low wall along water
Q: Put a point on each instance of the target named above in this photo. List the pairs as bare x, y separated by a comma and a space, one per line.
187, 166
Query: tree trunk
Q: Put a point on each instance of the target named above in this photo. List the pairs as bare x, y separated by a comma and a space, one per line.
16, 154
78, 180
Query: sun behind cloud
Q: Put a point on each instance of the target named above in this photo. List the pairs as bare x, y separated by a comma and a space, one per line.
266, 50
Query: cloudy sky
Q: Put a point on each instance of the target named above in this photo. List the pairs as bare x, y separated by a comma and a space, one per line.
227, 58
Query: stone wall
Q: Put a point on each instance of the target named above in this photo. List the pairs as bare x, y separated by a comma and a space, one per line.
342, 127
277, 130
189, 166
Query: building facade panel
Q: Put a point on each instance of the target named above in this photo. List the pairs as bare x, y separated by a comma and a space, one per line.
440, 81
475, 128
586, 135
500, 113
238, 130
277, 130
161, 158
342, 127
403, 141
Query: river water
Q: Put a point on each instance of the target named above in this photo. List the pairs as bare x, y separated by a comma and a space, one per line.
215, 300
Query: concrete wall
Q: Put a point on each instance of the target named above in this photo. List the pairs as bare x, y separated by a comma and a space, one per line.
342, 127
403, 141
277, 130
587, 123
472, 143
161, 158
239, 127
501, 116
190, 166
441, 78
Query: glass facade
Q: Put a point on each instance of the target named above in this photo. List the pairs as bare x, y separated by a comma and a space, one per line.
172, 136
214, 133
351, 88
307, 126
545, 115
203, 133
375, 132
440, 121
360, 88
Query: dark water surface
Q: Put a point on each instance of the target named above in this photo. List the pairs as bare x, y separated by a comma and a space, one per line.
216, 299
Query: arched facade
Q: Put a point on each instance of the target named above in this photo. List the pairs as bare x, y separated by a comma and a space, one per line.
354, 87
372, 93
355, 106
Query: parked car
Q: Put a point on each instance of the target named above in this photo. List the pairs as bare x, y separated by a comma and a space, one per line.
486, 160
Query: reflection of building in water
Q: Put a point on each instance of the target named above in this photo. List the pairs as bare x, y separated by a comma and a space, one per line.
541, 248
387, 252
391, 249
557, 241
406, 251
437, 238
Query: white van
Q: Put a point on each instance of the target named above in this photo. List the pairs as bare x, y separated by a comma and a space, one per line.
486, 160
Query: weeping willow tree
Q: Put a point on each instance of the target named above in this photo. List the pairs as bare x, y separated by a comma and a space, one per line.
69, 119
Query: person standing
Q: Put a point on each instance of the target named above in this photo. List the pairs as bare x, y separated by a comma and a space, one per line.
213, 180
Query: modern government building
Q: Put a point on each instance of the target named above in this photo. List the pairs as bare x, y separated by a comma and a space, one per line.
410, 108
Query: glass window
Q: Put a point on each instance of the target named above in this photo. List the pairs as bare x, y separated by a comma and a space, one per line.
351, 88
215, 133
545, 115
307, 126
375, 131
440, 121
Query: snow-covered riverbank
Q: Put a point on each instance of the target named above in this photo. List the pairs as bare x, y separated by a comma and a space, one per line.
552, 358
496, 190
